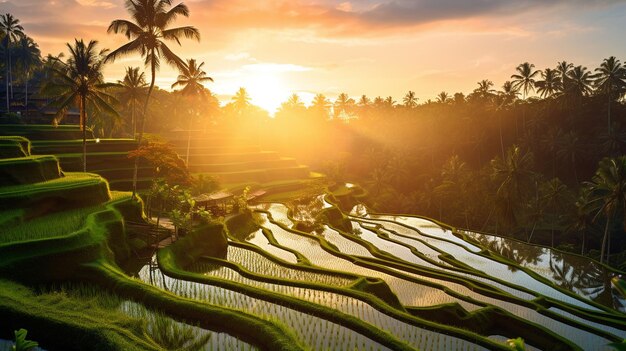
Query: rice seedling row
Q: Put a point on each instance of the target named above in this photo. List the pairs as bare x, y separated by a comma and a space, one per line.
401, 252
409, 293
429, 228
584, 338
344, 244
55, 224
495, 268
259, 264
279, 211
257, 238
564, 270
314, 332
515, 292
179, 334
413, 335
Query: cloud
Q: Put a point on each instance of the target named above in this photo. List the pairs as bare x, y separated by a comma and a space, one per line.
275, 68
354, 18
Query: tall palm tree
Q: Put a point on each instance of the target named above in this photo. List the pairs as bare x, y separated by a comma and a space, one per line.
147, 34
389, 102
610, 81
410, 100
484, 90
608, 188
443, 98
191, 78
343, 104
524, 80
364, 101
563, 68
320, 105
28, 58
12, 30
241, 101
133, 92
513, 176
549, 84
79, 82
578, 82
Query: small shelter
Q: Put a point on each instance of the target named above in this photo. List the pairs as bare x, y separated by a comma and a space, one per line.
217, 202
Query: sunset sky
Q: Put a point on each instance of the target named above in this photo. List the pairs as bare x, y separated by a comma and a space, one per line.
374, 47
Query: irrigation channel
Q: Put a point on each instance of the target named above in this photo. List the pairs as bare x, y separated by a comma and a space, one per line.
400, 276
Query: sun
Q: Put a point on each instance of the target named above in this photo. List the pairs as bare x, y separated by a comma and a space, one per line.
267, 91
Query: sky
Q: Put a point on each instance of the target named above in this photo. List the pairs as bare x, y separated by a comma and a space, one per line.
275, 48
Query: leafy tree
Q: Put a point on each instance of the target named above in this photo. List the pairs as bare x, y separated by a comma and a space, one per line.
152, 19
79, 82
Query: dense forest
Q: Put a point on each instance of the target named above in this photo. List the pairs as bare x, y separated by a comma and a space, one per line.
540, 159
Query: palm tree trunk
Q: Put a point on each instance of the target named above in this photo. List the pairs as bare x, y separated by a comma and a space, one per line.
83, 123
188, 141
6, 77
609, 114
606, 233
582, 249
26, 95
143, 122
10, 72
132, 118
501, 140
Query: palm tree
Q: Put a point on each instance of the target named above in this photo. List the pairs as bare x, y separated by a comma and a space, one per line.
550, 83
563, 68
152, 19
343, 104
410, 100
12, 30
79, 82
525, 81
578, 82
320, 105
608, 188
484, 90
513, 175
389, 102
191, 78
571, 149
443, 98
294, 102
364, 101
28, 58
241, 101
610, 82
133, 91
